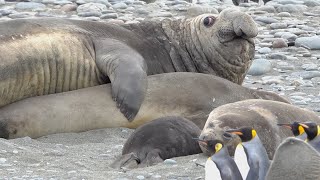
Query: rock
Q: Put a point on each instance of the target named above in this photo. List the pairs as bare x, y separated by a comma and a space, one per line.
310, 67
259, 67
197, 10
109, 16
94, 8
264, 50
312, 43
311, 3
120, 5
105, 2
2, 2
265, 19
29, 6
140, 177
169, 161
277, 56
289, 36
306, 74
267, 8
69, 7
278, 25
19, 15
284, 14
291, 8
272, 80
279, 43
3, 160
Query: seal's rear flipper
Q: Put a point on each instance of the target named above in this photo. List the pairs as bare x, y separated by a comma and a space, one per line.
128, 161
153, 158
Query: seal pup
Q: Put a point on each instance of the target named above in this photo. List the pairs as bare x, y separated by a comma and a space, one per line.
160, 139
168, 94
48, 55
220, 165
254, 151
262, 115
294, 160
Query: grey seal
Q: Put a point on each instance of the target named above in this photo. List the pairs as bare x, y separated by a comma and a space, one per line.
160, 139
262, 115
47, 55
189, 95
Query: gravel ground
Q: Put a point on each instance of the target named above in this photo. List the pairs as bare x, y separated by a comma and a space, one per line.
291, 71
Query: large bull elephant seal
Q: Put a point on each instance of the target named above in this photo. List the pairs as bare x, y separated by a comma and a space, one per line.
160, 139
262, 115
189, 95
46, 56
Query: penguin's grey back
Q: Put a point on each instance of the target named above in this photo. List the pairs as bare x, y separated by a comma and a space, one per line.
257, 157
294, 160
315, 143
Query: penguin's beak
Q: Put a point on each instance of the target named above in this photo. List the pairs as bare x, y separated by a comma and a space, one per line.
285, 125
234, 131
304, 125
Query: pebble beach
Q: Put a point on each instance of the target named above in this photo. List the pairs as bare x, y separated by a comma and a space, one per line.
287, 61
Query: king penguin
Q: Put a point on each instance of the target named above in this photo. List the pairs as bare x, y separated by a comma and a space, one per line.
254, 151
294, 159
297, 130
220, 166
313, 134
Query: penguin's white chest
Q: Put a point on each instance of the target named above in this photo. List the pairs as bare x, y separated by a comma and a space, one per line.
212, 171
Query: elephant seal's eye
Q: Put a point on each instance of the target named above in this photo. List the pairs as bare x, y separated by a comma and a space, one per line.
209, 21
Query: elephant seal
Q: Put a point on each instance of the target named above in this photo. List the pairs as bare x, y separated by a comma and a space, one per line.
262, 115
189, 95
46, 56
160, 139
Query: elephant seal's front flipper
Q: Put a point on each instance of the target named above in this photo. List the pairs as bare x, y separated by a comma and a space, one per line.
126, 69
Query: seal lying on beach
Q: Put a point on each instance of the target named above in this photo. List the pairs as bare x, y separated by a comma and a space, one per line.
189, 95
46, 56
160, 139
262, 115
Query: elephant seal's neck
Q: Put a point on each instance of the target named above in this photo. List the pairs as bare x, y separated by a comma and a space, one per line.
185, 46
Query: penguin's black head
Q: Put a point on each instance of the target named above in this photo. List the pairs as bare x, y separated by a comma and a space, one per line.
312, 129
214, 145
295, 127
245, 133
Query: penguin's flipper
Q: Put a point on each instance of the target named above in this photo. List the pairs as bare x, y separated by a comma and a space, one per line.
128, 161
254, 171
241, 161
212, 171
294, 159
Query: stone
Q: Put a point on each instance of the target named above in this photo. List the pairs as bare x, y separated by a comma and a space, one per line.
120, 5
291, 8
29, 5
312, 43
264, 50
259, 67
169, 161
69, 7
197, 10
91, 7
278, 25
279, 43
109, 16
265, 19
284, 14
